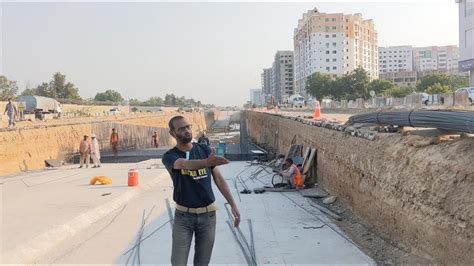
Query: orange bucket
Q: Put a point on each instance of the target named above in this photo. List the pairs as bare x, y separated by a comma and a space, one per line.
132, 177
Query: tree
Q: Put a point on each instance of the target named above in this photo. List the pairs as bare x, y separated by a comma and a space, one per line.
458, 81
154, 101
319, 85
438, 88
398, 92
431, 79
60, 89
57, 88
359, 82
380, 85
109, 96
8, 89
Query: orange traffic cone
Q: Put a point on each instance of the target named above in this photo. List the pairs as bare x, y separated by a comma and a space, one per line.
317, 111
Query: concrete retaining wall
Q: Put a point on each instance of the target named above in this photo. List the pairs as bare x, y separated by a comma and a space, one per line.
419, 194
26, 149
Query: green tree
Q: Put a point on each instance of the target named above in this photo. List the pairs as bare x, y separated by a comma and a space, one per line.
109, 96
431, 79
8, 88
358, 82
438, 88
60, 89
398, 92
319, 85
458, 81
380, 85
57, 88
154, 101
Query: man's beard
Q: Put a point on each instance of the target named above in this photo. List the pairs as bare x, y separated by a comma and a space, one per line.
184, 139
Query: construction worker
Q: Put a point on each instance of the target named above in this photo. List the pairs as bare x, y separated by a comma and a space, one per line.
85, 151
155, 139
204, 139
114, 139
95, 152
292, 174
12, 112
190, 166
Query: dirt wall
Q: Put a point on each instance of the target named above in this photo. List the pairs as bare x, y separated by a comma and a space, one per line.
26, 149
421, 195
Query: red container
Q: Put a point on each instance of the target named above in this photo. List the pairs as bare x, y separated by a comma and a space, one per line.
132, 177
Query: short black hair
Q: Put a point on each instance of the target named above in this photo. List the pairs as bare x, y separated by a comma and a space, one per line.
173, 119
289, 160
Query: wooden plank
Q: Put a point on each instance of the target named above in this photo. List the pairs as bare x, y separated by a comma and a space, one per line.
307, 152
310, 161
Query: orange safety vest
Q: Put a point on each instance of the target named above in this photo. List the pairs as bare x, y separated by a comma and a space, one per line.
114, 137
298, 177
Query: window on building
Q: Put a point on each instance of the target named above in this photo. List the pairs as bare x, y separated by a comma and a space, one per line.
334, 35
327, 52
327, 36
334, 44
327, 59
333, 27
334, 60
334, 52
327, 19
327, 68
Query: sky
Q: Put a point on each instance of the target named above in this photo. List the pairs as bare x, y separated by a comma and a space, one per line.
210, 51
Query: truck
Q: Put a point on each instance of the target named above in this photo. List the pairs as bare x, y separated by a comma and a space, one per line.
39, 105
297, 101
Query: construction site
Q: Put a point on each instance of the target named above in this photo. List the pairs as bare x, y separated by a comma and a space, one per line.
380, 187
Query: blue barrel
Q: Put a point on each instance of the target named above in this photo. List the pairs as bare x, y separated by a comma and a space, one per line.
220, 149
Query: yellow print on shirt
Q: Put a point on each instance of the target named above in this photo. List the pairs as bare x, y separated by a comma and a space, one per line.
196, 174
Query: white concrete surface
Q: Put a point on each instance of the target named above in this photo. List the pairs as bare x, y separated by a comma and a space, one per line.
278, 222
43, 208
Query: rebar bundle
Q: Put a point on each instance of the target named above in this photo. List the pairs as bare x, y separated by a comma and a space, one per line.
457, 121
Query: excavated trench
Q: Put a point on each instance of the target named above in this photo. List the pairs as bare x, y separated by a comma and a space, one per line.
410, 190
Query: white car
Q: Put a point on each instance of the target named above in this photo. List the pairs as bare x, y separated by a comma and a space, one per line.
115, 111
470, 92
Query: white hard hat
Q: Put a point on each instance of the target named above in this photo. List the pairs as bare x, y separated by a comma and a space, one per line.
93, 136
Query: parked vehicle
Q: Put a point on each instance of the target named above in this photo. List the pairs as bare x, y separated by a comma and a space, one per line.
296, 101
470, 93
115, 111
39, 104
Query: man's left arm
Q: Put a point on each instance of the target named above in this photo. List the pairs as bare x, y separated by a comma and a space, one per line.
225, 191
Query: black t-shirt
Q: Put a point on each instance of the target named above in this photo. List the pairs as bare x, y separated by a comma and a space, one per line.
192, 188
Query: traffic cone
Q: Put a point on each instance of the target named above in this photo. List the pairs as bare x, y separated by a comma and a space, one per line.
317, 111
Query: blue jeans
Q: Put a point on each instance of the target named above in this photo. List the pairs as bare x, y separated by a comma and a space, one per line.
185, 225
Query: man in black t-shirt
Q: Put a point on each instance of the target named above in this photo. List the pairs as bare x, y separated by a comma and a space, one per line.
191, 166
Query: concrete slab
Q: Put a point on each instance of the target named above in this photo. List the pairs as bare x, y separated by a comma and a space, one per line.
287, 230
43, 208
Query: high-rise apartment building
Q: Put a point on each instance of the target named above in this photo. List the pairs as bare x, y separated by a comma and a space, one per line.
395, 59
283, 75
436, 58
333, 44
466, 37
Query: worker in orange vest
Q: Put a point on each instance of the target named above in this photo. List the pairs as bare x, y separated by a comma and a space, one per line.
114, 139
293, 174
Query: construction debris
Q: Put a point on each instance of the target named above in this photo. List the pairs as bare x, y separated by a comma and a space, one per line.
330, 200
